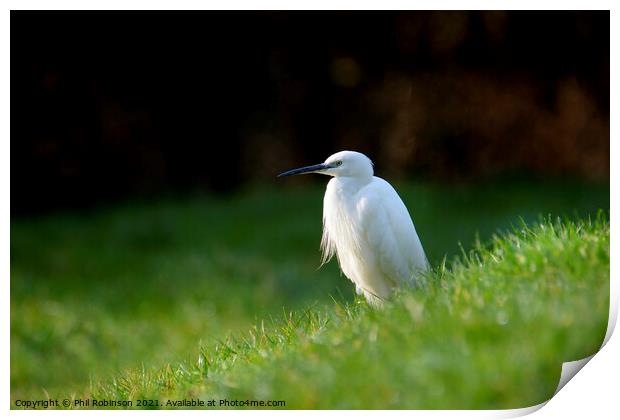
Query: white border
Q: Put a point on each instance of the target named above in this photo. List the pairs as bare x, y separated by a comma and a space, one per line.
592, 392
310, 5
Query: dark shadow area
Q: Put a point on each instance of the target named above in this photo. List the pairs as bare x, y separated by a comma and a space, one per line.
110, 105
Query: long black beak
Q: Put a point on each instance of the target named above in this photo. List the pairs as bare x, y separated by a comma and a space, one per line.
305, 170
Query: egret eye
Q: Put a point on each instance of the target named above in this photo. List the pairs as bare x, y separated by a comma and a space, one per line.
338, 163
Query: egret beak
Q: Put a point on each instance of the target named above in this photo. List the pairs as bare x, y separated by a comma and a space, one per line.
306, 170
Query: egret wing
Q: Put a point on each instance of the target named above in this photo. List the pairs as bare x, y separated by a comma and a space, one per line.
381, 237
391, 234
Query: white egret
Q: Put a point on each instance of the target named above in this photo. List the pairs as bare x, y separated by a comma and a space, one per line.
368, 227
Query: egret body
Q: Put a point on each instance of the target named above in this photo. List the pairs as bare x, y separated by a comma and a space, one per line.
368, 227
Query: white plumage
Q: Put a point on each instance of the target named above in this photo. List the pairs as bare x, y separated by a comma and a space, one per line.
368, 227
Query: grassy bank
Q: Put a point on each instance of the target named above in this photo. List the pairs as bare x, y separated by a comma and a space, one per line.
491, 332
120, 292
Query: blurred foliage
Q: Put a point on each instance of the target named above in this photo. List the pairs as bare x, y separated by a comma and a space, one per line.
223, 99
144, 283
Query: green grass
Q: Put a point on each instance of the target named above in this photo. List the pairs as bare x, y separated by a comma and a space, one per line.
100, 302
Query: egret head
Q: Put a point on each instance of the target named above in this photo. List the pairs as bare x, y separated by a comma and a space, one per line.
344, 164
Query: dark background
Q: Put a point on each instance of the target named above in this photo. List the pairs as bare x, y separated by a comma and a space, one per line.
111, 105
